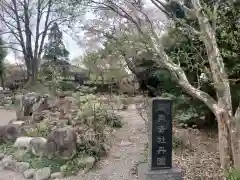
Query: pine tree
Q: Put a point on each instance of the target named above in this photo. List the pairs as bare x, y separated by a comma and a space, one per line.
55, 52
55, 49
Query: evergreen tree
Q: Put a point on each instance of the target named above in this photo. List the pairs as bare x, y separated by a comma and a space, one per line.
55, 52
55, 49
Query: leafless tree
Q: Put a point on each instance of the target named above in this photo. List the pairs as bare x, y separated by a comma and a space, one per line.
27, 22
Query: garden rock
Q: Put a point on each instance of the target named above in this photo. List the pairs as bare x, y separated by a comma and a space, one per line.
28, 174
56, 175
63, 168
30, 103
20, 123
26, 105
37, 117
42, 174
9, 132
22, 142
42, 104
21, 166
88, 161
62, 141
37, 146
8, 162
1, 156
19, 153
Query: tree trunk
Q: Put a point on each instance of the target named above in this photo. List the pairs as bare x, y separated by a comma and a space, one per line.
29, 67
235, 138
224, 138
2, 81
32, 69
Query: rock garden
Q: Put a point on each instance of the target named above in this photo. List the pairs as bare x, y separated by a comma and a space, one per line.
53, 137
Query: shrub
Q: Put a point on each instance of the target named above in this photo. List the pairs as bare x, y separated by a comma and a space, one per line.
189, 111
86, 89
66, 86
93, 111
42, 129
176, 142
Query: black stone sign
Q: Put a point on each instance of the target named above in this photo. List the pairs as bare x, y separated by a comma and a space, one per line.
160, 134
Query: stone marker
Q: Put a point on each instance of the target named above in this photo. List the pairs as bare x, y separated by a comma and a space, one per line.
159, 166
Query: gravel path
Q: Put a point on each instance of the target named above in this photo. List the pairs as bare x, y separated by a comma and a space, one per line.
126, 151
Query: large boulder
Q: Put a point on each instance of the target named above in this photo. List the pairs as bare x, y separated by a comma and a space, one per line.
8, 162
37, 146
42, 174
63, 105
9, 132
62, 142
32, 103
28, 174
22, 142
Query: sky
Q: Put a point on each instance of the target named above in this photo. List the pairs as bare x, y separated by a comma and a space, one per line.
75, 50
71, 45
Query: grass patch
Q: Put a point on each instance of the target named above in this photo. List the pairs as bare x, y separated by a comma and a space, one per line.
233, 174
7, 148
34, 161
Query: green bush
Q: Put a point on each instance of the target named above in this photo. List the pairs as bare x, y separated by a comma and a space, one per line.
66, 86
86, 90
42, 130
187, 110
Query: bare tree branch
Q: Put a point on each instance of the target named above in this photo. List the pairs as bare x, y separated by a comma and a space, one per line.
10, 47
22, 42
44, 33
37, 27
214, 19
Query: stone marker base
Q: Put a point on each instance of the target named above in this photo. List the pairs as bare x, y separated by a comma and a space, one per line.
144, 173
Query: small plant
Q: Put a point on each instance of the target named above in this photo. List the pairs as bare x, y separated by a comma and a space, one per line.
35, 162
176, 142
42, 130
66, 86
72, 167
113, 120
233, 174
7, 148
145, 152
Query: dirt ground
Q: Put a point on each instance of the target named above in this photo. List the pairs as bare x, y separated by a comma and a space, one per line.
197, 156
6, 116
